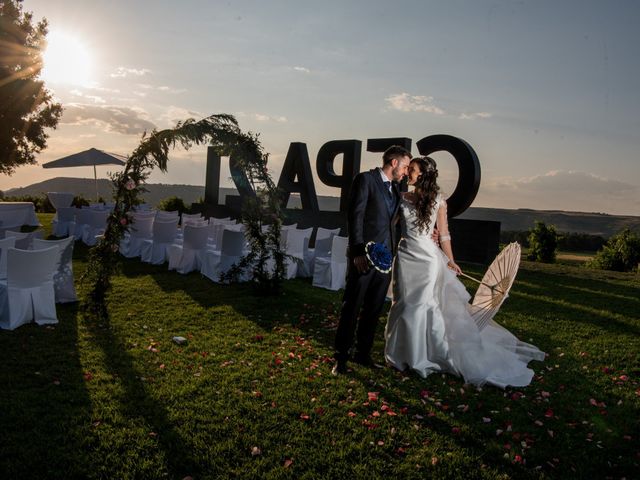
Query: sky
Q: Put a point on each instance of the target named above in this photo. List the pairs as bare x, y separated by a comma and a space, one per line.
546, 92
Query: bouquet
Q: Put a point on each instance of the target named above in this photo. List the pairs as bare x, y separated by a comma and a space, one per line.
379, 256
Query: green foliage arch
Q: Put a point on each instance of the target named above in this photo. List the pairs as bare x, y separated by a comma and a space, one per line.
261, 214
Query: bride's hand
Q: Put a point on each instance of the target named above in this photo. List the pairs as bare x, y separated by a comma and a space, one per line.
454, 266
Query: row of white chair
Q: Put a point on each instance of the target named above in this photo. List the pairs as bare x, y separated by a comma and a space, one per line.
213, 246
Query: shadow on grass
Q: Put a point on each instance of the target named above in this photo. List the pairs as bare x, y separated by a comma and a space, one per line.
46, 410
136, 402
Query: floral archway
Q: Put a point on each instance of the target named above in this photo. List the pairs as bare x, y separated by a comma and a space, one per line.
261, 214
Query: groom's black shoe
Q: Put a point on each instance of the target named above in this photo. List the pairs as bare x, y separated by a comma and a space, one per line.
366, 362
340, 368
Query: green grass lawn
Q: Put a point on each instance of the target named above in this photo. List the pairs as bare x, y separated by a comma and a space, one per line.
250, 394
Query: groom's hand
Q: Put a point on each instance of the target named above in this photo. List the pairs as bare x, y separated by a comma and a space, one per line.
361, 263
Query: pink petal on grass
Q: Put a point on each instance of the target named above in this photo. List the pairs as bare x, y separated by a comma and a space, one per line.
373, 396
287, 463
352, 414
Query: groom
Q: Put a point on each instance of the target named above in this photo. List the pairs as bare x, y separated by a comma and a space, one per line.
371, 216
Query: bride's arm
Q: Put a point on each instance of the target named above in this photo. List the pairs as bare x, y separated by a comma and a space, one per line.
445, 237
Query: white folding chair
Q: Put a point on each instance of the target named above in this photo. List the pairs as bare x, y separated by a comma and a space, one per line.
232, 247
24, 240
187, 257
5, 245
310, 253
154, 250
96, 226
28, 293
331, 273
83, 217
295, 242
190, 218
63, 282
326, 233
62, 224
140, 230
167, 215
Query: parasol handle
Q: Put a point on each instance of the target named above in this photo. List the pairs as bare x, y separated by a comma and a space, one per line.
474, 279
492, 287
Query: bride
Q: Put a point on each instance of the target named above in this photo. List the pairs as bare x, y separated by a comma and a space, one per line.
429, 328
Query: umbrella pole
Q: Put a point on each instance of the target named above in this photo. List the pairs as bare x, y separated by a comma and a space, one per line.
95, 177
473, 278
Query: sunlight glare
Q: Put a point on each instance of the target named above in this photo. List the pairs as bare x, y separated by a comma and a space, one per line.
66, 60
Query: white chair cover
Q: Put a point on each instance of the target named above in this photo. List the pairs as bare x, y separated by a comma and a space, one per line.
331, 273
232, 248
215, 233
24, 240
63, 284
295, 242
5, 245
321, 250
154, 250
326, 233
64, 221
190, 218
28, 293
165, 215
187, 257
83, 218
140, 230
96, 226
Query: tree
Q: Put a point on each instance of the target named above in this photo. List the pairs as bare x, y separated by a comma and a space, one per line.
621, 253
26, 106
543, 242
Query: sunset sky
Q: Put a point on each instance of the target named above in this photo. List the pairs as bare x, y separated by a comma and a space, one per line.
546, 92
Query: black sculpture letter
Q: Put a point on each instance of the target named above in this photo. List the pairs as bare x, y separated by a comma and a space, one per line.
212, 177
468, 168
351, 149
297, 164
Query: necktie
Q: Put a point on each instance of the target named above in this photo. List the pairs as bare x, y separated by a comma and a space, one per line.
388, 187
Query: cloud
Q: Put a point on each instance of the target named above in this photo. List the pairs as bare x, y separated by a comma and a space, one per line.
167, 89
93, 98
405, 102
302, 69
112, 118
474, 116
175, 114
122, 72
261, 117
162, 88
561, 190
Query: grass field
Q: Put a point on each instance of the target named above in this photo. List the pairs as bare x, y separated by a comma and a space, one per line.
250, 394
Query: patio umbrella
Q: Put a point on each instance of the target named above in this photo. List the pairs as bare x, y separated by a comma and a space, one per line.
495, 285
90, 157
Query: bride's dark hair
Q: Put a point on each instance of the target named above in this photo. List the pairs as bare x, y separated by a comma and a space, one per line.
426, 190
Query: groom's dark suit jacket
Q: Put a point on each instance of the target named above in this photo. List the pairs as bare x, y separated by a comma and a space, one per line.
371, 217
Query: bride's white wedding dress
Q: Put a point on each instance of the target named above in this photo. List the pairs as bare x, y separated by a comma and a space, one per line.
429, 328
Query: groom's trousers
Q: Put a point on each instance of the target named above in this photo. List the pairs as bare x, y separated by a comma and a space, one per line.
364, 294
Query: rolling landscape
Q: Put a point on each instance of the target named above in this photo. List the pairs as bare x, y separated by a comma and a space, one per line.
511, 219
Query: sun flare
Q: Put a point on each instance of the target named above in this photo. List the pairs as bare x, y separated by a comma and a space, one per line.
66, 60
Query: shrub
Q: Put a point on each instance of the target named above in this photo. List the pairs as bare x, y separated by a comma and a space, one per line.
543, 242
621, 253
173, 203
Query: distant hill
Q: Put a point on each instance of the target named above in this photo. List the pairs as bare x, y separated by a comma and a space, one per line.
516, 220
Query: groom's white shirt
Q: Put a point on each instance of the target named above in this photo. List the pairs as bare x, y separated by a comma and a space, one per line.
384, 177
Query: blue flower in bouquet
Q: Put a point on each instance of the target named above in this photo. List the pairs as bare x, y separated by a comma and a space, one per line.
379, 256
